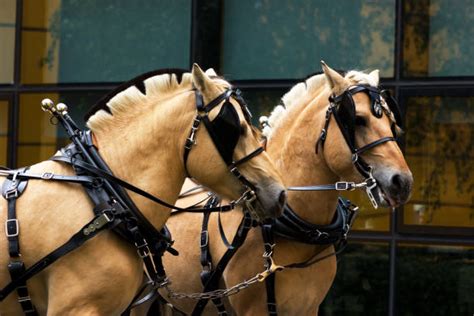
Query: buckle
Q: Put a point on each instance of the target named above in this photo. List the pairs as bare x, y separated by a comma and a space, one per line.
143, 250
11, 230
22, 299
12, 193
344, 186
47, 175
189, 143
319, 234
204, 238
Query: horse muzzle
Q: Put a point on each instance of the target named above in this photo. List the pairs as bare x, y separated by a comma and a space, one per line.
267, 202
394, 188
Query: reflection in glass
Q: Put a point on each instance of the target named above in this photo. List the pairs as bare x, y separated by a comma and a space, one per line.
368, 217
38, 137
7, 40
261, 102
102, 41
287, 39
438, 38
429, 274
361, 285
3, 132
440, 152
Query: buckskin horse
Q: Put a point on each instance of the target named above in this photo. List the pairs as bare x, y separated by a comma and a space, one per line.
318, 145
153, 132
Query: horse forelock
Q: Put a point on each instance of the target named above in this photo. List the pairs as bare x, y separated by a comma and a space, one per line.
314, 83
134, 94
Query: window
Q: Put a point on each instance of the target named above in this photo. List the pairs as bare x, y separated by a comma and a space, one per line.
3, 131
432, 273
102, 41
287, 39
361, 284
440, 151
39, 137
438, 39
7, 40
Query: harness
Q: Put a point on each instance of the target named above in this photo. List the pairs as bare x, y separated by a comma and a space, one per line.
113, 208
290, 225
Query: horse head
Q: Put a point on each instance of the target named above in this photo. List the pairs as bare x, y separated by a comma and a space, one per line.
232, 144
360, 144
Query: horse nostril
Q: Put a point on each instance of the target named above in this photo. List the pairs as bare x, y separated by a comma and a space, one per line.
397, 182
282, 198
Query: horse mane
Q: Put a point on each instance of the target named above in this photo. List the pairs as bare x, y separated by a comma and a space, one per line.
302, 89
127, 96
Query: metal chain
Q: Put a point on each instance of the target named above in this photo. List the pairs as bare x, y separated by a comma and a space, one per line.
213, 294
271, 267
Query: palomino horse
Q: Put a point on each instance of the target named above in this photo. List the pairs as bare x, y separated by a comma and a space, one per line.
141, 133
293, 133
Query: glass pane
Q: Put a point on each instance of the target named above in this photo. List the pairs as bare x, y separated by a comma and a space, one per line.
368, 217
105, 41
440, 152
287, 39
361, 285
438, 38
261, 102
38, 137
7, 40
3, 132
435, 280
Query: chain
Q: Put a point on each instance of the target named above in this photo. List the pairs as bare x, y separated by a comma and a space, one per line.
216, 293
259, 277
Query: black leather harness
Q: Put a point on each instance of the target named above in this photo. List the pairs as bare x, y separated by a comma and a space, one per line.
290, 225
113, 208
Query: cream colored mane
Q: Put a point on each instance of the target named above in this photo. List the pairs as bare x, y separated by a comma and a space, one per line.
308, 87
127, 102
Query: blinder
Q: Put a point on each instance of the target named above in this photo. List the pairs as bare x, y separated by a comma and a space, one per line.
228, 130
225, 131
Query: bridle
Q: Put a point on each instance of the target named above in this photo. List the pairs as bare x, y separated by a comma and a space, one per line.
342, 107
225, 131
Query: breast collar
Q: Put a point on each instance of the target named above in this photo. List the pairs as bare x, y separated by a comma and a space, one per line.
291, 226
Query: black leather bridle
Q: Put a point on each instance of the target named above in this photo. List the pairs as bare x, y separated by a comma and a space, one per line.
225, 131
342, 107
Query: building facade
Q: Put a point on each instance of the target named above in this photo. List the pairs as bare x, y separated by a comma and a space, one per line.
417, 260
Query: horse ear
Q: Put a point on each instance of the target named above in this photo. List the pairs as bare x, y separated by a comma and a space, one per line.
211, 72
337, 82
204, 84
375, 76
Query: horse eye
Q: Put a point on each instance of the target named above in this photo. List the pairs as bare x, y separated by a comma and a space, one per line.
360, 121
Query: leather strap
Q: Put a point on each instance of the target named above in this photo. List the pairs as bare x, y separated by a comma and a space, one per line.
213, 281
88, 231
108, 176
269, 243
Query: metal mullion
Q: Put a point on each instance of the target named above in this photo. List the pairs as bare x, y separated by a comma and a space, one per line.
14, 106
411, 238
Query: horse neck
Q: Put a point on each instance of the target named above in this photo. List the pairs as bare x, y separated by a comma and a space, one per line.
292, 148
143, 151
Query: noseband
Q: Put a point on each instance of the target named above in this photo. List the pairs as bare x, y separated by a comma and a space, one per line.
344, 103
225, 132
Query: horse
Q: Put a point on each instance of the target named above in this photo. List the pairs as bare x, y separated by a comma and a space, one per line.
145, 133
307, 150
